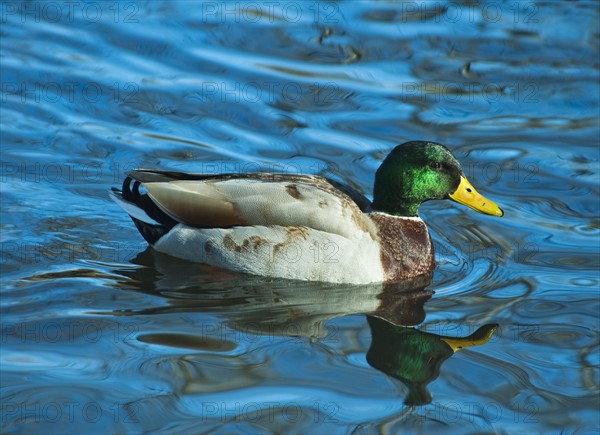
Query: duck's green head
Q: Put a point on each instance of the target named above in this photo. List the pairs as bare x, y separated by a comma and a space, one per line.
418, 171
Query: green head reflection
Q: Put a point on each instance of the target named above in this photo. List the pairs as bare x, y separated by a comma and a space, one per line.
414, 357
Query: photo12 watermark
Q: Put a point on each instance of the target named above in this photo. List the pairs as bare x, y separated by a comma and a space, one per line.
514, 332
518, 171
70, 11
520, 251
470, 91
269, 12
50, 252
471, 411
269, 91
68, 331
454, 12
69, 92
271, 411
68, 411
255, 332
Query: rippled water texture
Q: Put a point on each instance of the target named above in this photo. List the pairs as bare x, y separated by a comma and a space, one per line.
100, 334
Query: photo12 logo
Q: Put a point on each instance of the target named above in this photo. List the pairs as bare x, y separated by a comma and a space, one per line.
268, 92
469, 91
468, 12
270, 12
269, 411
67, 331
69, 12
71, 92
61, 411
471, 411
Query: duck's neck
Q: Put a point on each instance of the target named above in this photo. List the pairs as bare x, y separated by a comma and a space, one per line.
395, 206
396, 190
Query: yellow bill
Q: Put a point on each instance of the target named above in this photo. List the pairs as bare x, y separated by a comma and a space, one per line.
466, 194
479, 337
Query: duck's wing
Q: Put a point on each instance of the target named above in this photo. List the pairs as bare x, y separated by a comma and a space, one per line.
264, 199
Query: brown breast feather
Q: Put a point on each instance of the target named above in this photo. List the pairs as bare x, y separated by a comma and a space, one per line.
406, 248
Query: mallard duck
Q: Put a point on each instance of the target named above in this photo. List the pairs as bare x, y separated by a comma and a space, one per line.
303, 227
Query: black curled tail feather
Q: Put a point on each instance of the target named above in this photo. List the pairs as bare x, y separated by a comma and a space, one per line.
151, 232
143, 201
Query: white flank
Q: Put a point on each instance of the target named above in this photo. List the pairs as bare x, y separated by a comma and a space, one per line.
277, 251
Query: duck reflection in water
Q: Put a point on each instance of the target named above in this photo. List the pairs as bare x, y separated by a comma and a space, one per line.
299, 309
414, 357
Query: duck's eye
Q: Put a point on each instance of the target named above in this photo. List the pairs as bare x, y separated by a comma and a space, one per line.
435, 165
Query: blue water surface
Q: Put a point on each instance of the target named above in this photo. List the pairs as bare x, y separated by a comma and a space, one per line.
102, 334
